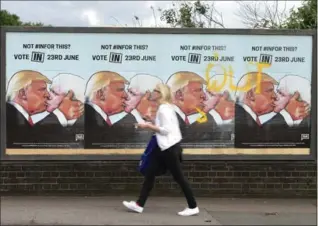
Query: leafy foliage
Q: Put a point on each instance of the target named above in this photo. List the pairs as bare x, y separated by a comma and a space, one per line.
8, 19
189, 14
32, 24
254, 14
192, 15
305, 17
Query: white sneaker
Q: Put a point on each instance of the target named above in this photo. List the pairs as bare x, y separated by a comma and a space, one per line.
189, 212
133, 206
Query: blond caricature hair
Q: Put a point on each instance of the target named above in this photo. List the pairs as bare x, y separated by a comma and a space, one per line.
100, 80
23, 79
250, 80
166, 95
181, 79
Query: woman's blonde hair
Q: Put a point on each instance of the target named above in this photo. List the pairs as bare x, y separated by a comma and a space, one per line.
166, 96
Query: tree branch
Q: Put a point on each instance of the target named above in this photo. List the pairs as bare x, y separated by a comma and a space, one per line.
262, 14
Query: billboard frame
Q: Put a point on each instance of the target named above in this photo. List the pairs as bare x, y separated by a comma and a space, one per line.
202, 31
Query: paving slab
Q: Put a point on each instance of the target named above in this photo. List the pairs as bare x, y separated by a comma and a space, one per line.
91, 211
28, 210
262, 205
241, 218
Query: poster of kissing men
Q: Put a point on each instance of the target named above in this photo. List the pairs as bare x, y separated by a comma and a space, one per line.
85, 91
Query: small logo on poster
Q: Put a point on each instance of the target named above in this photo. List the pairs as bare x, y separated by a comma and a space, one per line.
194, 58
37, 57
304, 136
79, 137
265, 59
115, 58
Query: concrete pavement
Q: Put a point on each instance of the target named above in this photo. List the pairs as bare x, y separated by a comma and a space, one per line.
26, 210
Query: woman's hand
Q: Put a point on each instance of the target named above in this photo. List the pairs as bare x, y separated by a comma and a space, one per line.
143, 125
147, 125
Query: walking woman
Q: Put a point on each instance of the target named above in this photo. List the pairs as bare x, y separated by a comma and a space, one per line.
168, 136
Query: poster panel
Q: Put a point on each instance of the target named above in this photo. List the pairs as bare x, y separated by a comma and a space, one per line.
85, 91
273, 104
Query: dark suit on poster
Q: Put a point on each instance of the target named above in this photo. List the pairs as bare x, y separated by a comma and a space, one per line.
100, 135
207, 132
305, 122
21, 133
66, 135
248, 134
18, 128
47, 131
298, 133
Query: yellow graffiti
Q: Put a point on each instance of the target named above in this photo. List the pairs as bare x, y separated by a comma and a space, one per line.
245, 88
202, 118
213, 86
260, 67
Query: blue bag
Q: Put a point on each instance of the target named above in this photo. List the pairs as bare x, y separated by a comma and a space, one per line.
145, 158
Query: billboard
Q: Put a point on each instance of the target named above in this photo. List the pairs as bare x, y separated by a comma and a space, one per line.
81, 93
